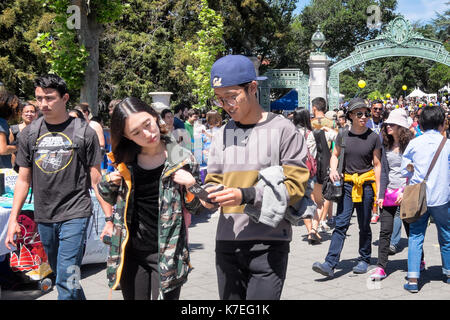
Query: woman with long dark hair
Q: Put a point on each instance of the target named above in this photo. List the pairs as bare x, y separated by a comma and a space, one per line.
302, 120
149, 253
396, 136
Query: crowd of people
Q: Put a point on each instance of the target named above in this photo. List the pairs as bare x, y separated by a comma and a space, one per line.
264, 173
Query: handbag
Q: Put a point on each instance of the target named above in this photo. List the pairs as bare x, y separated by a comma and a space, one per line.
334, 191
414, 203
390, 196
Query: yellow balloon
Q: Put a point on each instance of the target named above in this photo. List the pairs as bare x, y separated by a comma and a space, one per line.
388, 95
420, 105
396, 107
404, 88
361, 84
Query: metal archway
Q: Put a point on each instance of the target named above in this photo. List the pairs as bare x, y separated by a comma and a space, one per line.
285, 78
398, 39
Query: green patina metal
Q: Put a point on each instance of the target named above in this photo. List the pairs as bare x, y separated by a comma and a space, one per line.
285, 78
398, 39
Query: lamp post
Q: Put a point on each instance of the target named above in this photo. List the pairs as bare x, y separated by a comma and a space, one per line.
318, 39
318, 68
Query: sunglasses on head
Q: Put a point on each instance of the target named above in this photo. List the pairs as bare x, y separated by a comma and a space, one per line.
359, 114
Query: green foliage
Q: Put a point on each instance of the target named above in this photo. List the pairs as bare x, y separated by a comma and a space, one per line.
137, 58
257, 28
209, 45
20, 58
67, 57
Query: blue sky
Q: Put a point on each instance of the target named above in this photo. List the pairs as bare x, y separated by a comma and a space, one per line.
413, 10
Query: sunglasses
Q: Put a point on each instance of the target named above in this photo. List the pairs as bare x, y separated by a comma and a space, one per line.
359, 114
377, 109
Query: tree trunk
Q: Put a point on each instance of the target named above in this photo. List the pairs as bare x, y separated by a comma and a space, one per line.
89, 35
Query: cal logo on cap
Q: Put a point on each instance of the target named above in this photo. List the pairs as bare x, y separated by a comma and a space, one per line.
217, 82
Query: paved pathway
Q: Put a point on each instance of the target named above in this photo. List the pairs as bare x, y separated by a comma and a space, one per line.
301, 283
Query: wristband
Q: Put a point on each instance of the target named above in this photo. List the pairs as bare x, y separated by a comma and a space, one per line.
109, 219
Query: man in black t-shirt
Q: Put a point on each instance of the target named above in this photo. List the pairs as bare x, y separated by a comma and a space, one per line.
61, 181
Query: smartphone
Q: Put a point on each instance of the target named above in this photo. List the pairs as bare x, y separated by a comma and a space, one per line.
107, 240
202, 194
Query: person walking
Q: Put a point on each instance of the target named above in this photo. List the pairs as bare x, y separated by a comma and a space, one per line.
62, 156
302, 120
8, 105
321, 122
361, 176
375, 123
396, 136
416, 161
259, 158
149, 253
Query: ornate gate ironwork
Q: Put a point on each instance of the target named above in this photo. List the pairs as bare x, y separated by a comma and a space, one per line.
285, 78
398, 39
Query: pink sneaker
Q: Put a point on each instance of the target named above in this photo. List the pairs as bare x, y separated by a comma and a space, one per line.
378, 274
422, 265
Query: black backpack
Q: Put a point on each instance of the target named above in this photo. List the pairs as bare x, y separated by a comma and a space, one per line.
323, 155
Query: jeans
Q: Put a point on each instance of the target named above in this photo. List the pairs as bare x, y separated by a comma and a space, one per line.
397, 230
64, 245
417, 231
343, 215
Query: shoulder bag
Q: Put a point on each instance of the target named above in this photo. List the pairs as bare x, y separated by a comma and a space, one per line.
414, 203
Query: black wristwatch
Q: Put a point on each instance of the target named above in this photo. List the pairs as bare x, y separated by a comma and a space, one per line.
108, 219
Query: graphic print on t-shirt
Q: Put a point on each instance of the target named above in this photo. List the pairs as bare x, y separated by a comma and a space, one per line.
54, 152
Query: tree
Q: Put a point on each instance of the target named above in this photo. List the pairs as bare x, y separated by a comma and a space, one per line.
207, 48
344, 24
21, 60
73, 47
257, 27
144, 50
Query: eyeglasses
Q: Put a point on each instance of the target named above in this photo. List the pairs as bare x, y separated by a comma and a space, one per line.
359, 114
377, 109
220, 102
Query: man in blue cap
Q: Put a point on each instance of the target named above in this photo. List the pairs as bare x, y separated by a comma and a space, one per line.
259, 158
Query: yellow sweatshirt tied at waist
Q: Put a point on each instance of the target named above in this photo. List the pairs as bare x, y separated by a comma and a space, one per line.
358, 180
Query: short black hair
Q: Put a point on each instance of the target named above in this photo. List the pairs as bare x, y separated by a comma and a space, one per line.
51, 81
180, 107
377, 101
431, 118
164, 112
193, 111
320, 104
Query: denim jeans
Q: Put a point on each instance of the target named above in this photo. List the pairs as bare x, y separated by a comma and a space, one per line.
64, 244
343, 215
417, 231
397, 230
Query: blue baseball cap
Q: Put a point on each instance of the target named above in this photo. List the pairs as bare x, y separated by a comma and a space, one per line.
233, 70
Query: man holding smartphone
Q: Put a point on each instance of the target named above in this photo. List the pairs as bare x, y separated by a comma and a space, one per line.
251, 257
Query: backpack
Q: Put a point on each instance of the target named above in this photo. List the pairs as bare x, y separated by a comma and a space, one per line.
78, 142
311, 162
323, 155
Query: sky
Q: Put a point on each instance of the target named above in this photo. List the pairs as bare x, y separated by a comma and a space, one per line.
413, 10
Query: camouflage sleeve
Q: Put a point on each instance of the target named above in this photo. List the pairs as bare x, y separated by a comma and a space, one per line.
194, 205
108, 190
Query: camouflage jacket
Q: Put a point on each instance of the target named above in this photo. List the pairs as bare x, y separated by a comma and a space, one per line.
173, 255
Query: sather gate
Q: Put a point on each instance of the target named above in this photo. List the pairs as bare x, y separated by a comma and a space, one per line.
398, 39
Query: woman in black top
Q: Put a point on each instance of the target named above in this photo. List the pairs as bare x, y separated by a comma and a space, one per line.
361, 179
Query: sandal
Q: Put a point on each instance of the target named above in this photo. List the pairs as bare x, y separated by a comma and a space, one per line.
314, 237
